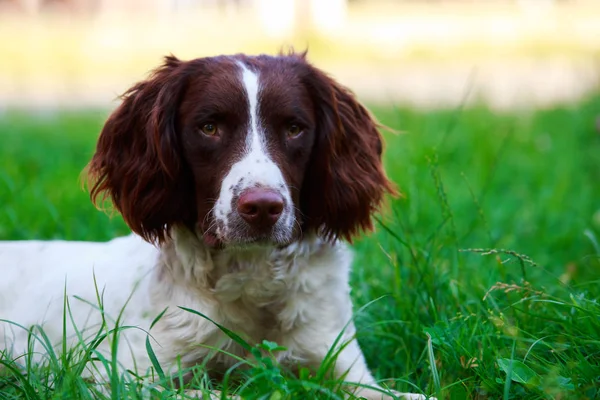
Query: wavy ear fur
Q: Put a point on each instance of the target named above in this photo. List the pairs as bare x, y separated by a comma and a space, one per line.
345, 182
137, 163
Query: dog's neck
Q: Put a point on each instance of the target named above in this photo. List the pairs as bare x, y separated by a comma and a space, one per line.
188, 261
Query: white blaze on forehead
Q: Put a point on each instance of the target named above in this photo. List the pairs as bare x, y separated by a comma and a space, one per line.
250, 81
255, 168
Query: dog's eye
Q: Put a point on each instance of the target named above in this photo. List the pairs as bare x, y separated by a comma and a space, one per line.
294, 130
209, 129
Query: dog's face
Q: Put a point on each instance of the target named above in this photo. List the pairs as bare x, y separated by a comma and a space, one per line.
247, 143
244, 150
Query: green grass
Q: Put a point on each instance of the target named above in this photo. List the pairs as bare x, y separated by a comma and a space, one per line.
523, 322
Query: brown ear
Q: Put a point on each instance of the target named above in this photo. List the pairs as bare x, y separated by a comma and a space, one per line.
345, 182
137, 163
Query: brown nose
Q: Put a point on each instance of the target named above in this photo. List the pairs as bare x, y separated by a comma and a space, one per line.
260, 208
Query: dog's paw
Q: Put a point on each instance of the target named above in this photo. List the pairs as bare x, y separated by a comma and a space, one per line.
412, 396
372, 394
214, 395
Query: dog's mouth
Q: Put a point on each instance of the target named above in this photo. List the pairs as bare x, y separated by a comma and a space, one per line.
214, 240
237, 233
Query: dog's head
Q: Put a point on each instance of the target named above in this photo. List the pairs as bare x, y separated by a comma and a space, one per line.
242, 150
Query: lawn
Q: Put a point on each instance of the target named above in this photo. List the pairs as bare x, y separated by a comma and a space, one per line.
487, 267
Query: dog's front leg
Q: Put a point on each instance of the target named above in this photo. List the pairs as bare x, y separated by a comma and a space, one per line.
310, 347
351, 365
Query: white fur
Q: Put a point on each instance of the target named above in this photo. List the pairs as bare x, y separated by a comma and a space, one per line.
297, 296
254, 169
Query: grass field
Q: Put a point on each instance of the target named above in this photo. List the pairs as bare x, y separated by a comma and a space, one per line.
519, 319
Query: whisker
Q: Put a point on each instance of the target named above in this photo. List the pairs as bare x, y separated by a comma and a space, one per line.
299, 211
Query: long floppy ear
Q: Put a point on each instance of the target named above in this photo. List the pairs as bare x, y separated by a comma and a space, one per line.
137, 163
345, 182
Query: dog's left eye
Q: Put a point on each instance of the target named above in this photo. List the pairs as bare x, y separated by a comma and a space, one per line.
293, 131
209, 129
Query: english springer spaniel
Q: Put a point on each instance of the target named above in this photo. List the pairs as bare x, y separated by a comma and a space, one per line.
241, 178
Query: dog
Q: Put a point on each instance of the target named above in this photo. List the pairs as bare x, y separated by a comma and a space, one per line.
242, 179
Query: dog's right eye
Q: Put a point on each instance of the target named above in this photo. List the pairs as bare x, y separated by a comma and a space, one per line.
209, 129
293, 131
